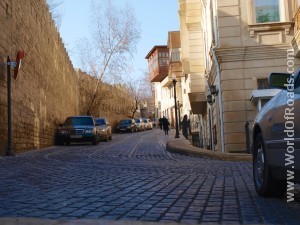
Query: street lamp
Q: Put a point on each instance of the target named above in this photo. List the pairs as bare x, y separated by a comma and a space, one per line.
9, 150
176, 119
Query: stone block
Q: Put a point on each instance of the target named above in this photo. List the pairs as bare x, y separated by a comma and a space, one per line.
235, 138
223, 3
229, 42
229, 21
232, 85
236, 148
233, 31
237, 95
232, 74
229, 11
238, 116
234, 127
234, 106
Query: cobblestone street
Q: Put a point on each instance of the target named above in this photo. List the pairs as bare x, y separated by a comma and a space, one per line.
133, 177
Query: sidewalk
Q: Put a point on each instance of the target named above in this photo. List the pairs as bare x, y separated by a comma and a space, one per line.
182, 146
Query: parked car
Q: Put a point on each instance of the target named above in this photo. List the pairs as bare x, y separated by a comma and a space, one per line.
77, 129
276, 138
140, 124
104, 129
127, 125
148, 124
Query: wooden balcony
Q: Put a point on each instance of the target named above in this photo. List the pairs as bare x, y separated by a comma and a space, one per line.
158, 63
159, 74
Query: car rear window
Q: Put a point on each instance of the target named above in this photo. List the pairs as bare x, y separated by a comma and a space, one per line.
79, 121
125, 122
100, 121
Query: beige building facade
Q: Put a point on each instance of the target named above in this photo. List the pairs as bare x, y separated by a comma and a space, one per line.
228, 48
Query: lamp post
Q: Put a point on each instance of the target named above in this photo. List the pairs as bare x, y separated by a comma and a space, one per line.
16, 65
176, 118
9, 150
179, 117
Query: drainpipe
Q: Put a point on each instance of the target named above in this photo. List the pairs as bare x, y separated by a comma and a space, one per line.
210, 120
218, 74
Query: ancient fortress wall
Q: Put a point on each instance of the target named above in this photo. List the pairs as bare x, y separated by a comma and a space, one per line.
46, 89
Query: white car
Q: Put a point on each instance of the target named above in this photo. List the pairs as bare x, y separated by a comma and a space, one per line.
148, 124
276, 138
140, 124
104, 129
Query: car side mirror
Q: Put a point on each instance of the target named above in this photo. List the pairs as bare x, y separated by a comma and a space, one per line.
279, 80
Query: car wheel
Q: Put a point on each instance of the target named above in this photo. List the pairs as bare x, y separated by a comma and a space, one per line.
110, 137
59, 142
131, 131
264, 182
106, 138
68, 142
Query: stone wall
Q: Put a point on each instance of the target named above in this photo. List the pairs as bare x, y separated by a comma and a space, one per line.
46, 90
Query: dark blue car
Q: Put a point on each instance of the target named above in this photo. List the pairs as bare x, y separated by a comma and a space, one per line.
77, 129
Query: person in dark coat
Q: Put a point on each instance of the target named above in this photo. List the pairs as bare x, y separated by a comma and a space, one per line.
160, 122
165, 125
185, 126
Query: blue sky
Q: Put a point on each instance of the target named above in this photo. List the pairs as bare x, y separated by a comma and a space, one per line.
156, 17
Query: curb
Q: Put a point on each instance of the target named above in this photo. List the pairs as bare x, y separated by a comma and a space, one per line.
183, 146
38, 221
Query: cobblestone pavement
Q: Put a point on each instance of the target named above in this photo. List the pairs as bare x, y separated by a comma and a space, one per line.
133, 177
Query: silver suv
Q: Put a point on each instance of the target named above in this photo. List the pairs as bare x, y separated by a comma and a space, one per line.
276, 138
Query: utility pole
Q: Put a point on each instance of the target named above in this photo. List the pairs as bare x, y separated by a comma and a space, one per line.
9, 150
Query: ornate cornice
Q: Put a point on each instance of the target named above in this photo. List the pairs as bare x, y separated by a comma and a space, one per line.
263, 27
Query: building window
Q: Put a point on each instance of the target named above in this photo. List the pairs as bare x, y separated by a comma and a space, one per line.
262, 83
163, 59
269, 16
267, 11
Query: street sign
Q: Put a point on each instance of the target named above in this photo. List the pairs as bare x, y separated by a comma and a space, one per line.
20, 56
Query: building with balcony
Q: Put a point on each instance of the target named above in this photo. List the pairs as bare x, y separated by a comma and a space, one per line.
243, 42
227, 51
193, 66
158, 65
161, 76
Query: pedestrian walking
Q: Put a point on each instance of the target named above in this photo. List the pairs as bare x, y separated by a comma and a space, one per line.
185, 126
160, 122
165, 125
